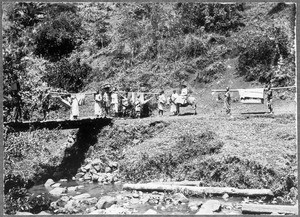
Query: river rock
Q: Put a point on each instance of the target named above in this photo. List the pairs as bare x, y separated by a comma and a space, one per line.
95, 178
57, 191
70, 207
79, 175
72, 189
107, 169
48, 183
23, 213
43, 213
179, 198
209, 207
135, 195
89, 201
88, 166
62, 201
96, 162
80, 187
116, 210
194, 205
87, 176
225, 196
56, 185
110, 178
63, 180
97, 167
150, 212
113, 164
97, 211
105, 202
102, 177
82, 196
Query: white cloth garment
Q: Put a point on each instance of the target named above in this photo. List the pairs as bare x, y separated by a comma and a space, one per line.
81, 98
252, 96
174, 97
114, 101
74, 107
97, 107
161, 102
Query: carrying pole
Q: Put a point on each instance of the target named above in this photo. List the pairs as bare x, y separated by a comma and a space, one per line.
236, 90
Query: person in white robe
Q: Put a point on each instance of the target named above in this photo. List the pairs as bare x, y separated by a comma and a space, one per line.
74, 108
97, 106
173, 99
161, 103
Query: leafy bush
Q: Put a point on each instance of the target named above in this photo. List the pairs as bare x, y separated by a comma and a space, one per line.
67, 75
17, 197
261, 56
193, 46
58, 37
219, 18
188, 147
211, 72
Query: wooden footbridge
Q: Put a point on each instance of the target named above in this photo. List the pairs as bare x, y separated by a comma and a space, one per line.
60, 124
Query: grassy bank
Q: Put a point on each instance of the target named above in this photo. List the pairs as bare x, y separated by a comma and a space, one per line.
241, 152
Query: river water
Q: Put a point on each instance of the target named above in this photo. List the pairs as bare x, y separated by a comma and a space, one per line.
230, 206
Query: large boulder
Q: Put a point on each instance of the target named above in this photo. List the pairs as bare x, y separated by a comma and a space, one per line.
209, 207
105, 202
57, 192
48, 183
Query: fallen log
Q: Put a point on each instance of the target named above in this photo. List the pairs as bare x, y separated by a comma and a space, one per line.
183, 183
268, 209
198, 191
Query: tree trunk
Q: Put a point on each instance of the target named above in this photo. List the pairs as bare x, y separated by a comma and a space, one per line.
194, 190
268, 209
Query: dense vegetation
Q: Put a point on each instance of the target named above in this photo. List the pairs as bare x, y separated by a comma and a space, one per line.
81, 46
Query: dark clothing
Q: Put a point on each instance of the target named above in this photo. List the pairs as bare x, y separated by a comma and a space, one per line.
269, 96
16, 100
227, 102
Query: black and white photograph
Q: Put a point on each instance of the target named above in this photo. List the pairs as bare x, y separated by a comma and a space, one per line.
149, 108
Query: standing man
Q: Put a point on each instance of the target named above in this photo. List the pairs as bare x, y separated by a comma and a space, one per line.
97, 106
74, 107
46, 104
173, 99
269, 96
161, 103
16, 98
227, 101
184, 93
115, 102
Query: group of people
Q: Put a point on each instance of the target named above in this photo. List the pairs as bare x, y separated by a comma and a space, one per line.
121, 103
176, 98
110, 101
269, 98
